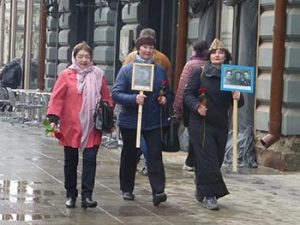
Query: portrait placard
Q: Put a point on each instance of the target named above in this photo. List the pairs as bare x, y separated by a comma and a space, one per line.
142, 77
237, 78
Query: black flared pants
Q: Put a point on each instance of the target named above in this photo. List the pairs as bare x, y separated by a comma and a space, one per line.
89, 163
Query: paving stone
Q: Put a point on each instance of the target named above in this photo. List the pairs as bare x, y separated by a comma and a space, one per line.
32, 189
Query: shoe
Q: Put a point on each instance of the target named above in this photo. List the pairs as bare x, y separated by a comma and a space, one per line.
88, 203
198, 197
70, 203
188, 168
211, 203
145, 171
128, 196
158, 198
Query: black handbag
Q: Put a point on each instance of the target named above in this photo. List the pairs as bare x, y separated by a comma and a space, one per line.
170, 139
103, 117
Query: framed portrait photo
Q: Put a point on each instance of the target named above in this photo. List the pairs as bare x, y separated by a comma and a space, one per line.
237, 78
142, 77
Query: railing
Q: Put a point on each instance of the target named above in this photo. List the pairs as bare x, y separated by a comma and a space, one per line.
25, 106
29, 107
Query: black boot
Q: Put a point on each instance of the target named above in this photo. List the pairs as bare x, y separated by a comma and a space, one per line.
128, 196
158, 198
88, 203
70, 203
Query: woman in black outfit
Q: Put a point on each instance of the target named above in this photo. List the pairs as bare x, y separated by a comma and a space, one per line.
208, 125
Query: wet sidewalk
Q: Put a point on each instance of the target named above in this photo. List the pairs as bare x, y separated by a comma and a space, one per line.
32, 190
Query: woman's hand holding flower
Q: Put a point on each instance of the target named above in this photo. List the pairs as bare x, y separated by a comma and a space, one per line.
162, 100
53, 126
202, 110
51, 130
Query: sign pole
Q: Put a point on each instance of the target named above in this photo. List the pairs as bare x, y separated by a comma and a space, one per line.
139, 124
234, 137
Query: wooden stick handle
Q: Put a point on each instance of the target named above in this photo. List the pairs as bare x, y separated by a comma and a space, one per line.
234, 135
139, 125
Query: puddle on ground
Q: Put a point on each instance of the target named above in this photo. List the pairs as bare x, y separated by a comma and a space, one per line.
14, 191
24, 217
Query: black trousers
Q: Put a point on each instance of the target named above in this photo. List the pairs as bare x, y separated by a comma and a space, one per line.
208, 160
156, 172
89, 163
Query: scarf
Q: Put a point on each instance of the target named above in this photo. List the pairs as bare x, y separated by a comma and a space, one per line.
138, 59
89, 82
211, 71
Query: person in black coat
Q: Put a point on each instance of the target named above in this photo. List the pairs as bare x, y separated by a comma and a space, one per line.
208, 125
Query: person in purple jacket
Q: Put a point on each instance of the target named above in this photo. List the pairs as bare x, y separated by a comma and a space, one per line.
197, 60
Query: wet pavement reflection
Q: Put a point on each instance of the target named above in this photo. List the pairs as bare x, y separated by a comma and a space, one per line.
32, 190
24, 217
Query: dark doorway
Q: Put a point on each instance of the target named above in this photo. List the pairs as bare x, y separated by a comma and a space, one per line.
163, 18
86, 10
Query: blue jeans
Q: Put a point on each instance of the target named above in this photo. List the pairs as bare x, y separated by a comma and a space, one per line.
142, 151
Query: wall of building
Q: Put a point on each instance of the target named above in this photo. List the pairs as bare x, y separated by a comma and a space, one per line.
104, 37
134, 17
63, 34
53, 40
285, 153
291, 102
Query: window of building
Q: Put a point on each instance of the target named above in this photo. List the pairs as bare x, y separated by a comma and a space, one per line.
226, 34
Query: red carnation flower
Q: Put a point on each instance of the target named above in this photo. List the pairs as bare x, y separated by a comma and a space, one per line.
163, 85
58, 135
202, 96
202, 90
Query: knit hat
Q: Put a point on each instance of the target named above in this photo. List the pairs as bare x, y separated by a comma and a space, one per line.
144, 40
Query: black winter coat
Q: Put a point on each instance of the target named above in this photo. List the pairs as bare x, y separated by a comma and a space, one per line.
218, 101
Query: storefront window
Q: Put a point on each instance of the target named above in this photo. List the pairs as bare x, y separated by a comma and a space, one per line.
6, 33
35, 45
19, 44
14, 37
227, 26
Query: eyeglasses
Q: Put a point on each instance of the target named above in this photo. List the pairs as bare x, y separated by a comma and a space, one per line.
79, 56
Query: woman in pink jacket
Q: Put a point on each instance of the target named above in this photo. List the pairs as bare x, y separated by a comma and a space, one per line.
198, 59
72, 105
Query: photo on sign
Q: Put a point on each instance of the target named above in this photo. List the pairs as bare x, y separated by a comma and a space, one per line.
142, 77
237, 78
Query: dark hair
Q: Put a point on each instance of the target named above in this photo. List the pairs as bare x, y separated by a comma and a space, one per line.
82, 46
227, 54
201, 48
